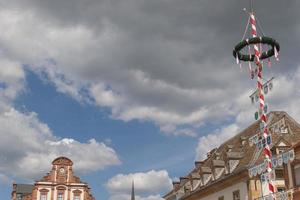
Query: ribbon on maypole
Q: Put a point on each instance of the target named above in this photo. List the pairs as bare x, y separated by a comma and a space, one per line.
263, 117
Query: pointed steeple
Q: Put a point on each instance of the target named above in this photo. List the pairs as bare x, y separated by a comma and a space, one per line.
132, 191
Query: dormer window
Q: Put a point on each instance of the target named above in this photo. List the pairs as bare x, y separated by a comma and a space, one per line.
243, 140
229, 147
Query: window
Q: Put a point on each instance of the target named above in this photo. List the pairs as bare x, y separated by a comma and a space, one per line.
76, 194
279, 189
279, 173
60, 196
236, 195
280, 151
221, 198
19, 196
77, 197
43, 196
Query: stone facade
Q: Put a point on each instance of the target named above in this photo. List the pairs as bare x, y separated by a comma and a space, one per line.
224, 174
59, 184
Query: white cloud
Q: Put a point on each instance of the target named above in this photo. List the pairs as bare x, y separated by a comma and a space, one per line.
28, 146
92, 67
173, 130
12, 80
146, 184
104, 96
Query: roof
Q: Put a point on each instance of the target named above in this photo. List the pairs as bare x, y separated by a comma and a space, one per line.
240, 152
24, 188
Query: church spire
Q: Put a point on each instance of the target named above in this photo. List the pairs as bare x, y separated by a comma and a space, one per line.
132, 191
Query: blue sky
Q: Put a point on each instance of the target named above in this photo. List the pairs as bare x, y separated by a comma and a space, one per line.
131, 89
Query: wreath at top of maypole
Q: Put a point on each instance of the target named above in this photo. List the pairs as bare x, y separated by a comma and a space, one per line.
257, 47
274, 48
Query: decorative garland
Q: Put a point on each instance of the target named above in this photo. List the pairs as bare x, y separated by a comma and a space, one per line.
256, 40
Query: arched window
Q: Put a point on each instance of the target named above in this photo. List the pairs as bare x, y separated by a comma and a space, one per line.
77, 197
60, 196
43, 193
43, 196
76, 194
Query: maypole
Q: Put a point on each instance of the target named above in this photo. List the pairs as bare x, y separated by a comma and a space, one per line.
257, 44
267, 151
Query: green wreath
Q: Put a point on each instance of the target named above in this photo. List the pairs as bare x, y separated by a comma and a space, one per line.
256, 40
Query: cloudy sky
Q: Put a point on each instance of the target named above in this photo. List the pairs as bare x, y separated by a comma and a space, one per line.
133, 89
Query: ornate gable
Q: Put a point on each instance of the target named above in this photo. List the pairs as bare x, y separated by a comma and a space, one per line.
61, 172
62, 161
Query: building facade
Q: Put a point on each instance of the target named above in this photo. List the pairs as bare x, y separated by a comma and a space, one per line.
225, 174
59, 184
292, 173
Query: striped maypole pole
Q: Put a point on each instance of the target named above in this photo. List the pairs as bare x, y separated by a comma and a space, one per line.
267, 151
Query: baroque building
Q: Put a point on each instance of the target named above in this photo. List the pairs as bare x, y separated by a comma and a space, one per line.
230, 172
59, 184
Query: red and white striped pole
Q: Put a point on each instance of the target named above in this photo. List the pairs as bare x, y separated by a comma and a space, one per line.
267, 151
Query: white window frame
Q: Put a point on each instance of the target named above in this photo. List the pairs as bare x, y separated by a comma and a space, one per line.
43, 196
